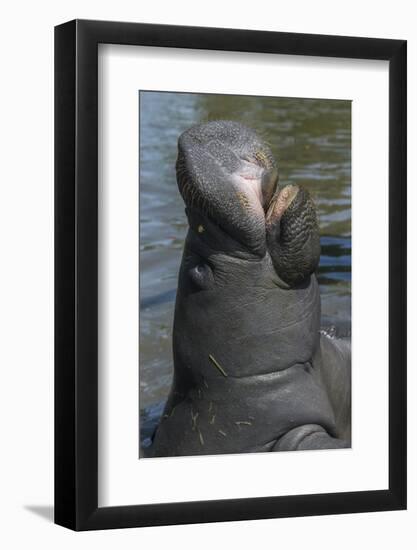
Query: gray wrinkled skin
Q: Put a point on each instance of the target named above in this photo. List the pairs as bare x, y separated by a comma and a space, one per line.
251, 371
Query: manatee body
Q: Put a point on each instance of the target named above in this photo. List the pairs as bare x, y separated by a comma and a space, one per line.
252, 372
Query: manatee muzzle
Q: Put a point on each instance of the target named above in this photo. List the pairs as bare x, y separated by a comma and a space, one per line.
227, 174
292, 234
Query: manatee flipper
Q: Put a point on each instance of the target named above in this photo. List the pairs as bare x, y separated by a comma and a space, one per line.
335, 368
309, 437
333, 360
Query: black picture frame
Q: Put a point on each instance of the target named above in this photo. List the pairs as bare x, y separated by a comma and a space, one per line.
76, 272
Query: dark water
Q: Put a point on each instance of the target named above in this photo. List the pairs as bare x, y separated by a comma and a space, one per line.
311, 140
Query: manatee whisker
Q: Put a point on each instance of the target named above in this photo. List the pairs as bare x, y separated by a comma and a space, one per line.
218, 366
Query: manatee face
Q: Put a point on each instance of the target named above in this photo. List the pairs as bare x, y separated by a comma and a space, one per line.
229, 182
224, 170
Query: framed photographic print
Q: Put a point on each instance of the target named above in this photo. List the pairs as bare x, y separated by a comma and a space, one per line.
230, 275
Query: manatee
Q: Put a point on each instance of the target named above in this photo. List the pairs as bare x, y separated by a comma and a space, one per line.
252, 371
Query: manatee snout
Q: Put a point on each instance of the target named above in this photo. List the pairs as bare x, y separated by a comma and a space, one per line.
228, 175
226, 172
